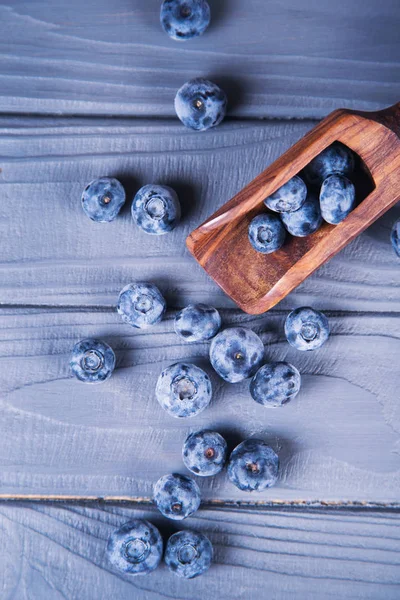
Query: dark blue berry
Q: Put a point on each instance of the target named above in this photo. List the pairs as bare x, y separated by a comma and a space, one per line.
253, 466
335, 159
395, 237
136, 548
188, 554
197, 322
306, 328
141, 305
92, 361
204, 453
176, 496
236, 354
305, 220
156, 209
185, 19
183, 390
289, 197
337, 198
275, 384
266, 233
102, 199
200, 104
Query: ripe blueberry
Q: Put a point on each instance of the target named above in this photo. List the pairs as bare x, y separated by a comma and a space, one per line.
305, 220
102, 199
141, 305
395, 237
236, 354
136, 548
289, 197
253, 466
204, 453
176, 496
183, 390
156, 209
188, 554
185, 19
336, 158
275, 384
197, 322
337, 198
200, 104
306, 328
266, 233
92, 361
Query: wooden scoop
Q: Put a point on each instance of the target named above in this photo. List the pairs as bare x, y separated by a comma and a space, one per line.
256, 282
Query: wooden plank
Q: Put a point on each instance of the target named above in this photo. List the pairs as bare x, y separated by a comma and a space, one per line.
54, 255
58, 552
338, 441
275, 59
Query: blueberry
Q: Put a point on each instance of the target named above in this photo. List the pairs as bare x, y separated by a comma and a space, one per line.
135, 548
275, 384
236, 354
156, 209
395, 237
176, 496
141, 305
337, 198
305, 220
183, 390
306, 328
204, 453
336, 158
102, 199
188, 554
197, 322
253, 466
185, 19
200, 104
289, 197
92, 361
266, 233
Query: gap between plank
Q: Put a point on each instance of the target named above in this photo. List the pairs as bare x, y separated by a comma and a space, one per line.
73, 308
168, 118
144, 501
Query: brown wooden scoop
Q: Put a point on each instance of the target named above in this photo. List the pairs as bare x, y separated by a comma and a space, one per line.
256, 282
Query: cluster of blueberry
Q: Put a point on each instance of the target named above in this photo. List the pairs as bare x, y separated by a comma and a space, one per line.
252, 466
322, 191
329, 196
137, 548
200, 103
155, 208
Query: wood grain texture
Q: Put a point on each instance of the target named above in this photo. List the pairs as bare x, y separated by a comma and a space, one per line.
257, 282
339, 440
57, 552
275, 59
54, 255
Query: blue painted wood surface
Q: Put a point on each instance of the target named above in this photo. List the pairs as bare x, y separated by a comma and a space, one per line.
87, 90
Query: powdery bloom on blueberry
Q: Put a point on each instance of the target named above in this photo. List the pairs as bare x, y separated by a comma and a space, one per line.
306, 328
136, 548
188, 554
305, 220
102, 199
200, 104
176, 496
204, 453
236, 354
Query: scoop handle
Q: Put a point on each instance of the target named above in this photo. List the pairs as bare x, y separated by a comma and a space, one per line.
389, 117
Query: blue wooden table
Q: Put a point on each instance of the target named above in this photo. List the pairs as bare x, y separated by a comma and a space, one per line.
87, 89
